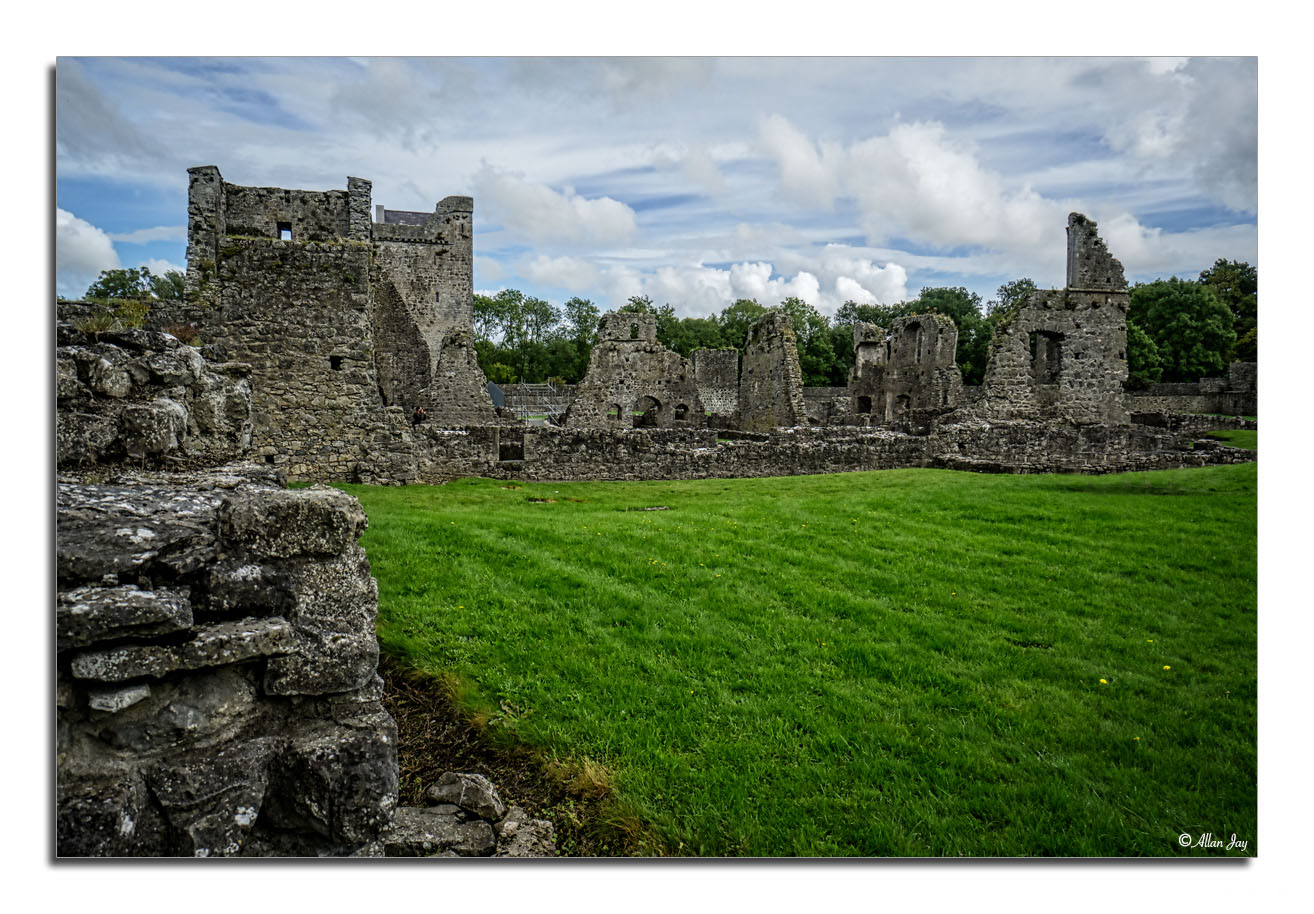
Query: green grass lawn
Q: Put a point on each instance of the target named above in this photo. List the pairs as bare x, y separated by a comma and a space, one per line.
1238, 437
908, 662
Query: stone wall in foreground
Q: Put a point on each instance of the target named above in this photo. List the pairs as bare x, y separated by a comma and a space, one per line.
216, 670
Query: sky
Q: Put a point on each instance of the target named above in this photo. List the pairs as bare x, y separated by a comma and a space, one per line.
695, 181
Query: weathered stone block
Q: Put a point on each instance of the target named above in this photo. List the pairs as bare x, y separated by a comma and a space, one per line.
419, 832
472, 792
215, 645
317, 521
89, 614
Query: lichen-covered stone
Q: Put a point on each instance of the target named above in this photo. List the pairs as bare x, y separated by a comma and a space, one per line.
771, 382
317, 521
419, 832
86, 615
471, 792
518, 835
213, 645
634, 381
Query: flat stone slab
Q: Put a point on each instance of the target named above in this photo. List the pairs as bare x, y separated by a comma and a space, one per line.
214, 645
89, 614
419, 832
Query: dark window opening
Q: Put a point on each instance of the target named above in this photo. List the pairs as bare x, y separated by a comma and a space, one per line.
901, 404
335, 362
864, 405
438, 297
646, 411
681, 412
634, 331
269, 458
285, 231
614, 412
1046, 356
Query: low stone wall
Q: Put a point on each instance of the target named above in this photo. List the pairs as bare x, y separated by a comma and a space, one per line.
216, 673
1011, 447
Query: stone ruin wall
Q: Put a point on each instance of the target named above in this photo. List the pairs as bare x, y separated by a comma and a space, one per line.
344, 320
1063, 354
217, 692
632, 380
143, 396
216, 683
909, 368
716, 372
771, 382
1235, 395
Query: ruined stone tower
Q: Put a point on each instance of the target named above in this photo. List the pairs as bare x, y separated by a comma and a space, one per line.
1063, 354
341, 317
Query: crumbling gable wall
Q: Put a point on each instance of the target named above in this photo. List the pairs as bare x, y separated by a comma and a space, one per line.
635, 382
909, 368
1063, 354
717, 373
771, 383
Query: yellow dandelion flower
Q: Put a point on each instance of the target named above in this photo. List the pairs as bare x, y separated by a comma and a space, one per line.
1167, 667
1137, 738
1104, 682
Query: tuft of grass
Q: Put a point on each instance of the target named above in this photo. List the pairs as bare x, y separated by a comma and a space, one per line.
907, 662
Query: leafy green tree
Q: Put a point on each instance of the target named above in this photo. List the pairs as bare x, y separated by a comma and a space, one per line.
1247, 348
638, 304
964, 309
1144, 367
1191, 327
1007, 297
736, 319
581, 321
1236, 284
168, 286
851, 313
131, 283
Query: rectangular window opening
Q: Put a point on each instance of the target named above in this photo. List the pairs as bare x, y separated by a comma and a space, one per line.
285, 231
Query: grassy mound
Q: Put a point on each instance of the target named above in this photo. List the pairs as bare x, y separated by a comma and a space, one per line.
908, 662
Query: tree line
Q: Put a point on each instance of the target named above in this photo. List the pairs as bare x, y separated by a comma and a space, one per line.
1177, 329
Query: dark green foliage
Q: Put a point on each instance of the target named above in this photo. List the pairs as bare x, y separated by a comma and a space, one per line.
131, 283
136, 284
905, 662
168, 286
1247, 348
1009, 297
1143, 364
1237, 286
1190, 326
735, 321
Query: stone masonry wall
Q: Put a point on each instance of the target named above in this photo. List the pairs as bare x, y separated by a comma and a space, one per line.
716, 372
634, 380
1063, 354
216, 683
910, 367
142, 395
1000, 446
771, 382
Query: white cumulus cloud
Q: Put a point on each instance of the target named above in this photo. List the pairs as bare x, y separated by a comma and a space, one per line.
541, 214
82, 251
